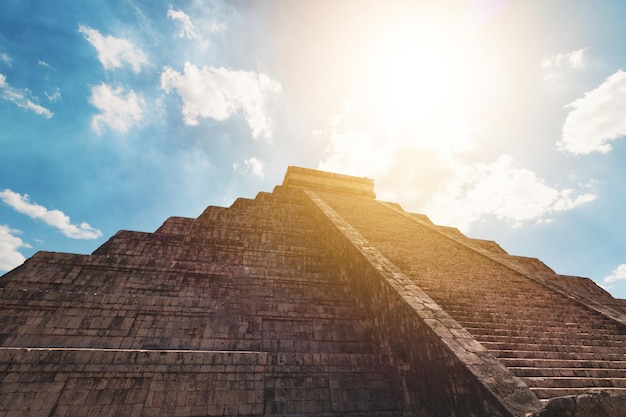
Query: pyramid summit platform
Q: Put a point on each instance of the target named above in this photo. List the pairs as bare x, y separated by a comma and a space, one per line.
313, 300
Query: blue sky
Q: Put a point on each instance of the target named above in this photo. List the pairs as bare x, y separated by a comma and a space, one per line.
502, 118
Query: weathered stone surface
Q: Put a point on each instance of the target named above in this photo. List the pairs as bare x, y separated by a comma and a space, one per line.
591, 404
314, 299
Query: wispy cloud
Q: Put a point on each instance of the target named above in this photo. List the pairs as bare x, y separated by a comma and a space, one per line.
569, 60
5, 59
557, 67
54, 218
9, 245
618, 274
255, 165
597, 118
218, 93
115, 52
22, 98
119, 111
199, 31
187, 29
252, 166
55, 96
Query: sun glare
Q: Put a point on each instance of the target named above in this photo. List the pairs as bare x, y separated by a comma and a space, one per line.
418, 78
415, 76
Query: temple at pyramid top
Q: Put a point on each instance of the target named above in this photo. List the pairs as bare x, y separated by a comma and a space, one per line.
311, 179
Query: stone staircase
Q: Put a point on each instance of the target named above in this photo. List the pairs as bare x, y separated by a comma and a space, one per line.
238, 312
555, 344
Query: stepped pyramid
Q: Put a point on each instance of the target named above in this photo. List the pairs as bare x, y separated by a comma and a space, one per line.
315, 299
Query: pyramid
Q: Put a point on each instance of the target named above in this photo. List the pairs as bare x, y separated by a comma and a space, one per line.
315, 299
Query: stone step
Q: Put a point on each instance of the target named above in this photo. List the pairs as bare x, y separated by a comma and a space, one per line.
270, 218
526, 312
529, 354
494, 307
58, 270
285, 300
218, 342
536, 332
547, 393
589, 321
562, 338
560, 344
518, 290
485, 333
177, 282
562, 363
574, 382
225, 331
569, 372
486, 316
565, 346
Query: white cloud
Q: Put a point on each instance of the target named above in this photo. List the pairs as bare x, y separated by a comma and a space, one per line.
597, 118
55, 96
569, 60
251, 165
500, 189
119, 111
217, 93
9, 245
54, 218
21, 98
198, 32
618, 274
187, 29
6, 59
256, 166
115, 52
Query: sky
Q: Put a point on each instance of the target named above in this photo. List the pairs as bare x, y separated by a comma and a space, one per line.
505, 119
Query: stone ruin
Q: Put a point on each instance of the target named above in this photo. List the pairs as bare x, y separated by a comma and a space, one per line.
315, 299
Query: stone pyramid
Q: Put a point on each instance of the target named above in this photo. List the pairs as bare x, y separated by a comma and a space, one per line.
315, 299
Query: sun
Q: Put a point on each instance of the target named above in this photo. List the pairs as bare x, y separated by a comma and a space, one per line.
415, 77
411, 75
